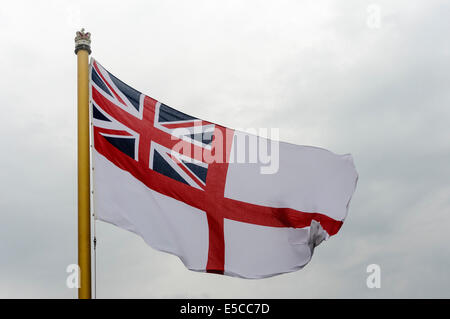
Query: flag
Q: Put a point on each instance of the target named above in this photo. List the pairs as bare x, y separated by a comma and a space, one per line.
193, 188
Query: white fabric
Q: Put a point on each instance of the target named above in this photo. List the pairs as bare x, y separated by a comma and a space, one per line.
163, 222
309, 179
254, 251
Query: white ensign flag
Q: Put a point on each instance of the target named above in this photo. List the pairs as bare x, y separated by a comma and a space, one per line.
222, 200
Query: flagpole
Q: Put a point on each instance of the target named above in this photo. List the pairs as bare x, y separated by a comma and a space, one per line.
82, 50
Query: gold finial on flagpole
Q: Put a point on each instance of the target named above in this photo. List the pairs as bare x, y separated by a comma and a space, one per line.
82, 50
83, 41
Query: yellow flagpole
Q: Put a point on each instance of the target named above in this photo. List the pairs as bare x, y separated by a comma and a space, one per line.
82, 50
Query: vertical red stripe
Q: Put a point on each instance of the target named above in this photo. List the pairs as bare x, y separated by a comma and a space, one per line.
216, 250
215, 189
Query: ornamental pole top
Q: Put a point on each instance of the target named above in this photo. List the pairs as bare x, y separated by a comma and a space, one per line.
83, 41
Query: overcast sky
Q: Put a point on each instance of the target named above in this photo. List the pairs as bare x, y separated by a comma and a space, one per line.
325, 73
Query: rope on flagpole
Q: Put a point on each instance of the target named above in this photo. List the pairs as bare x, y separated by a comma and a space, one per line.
95, 260
94, 223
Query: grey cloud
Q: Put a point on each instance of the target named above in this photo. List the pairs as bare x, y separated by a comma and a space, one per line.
316, 71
